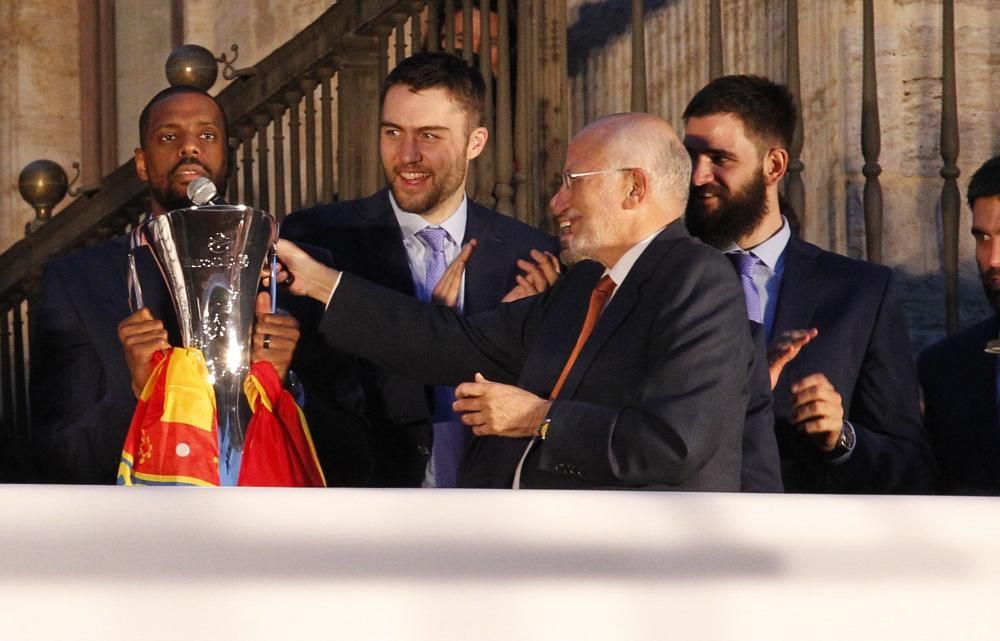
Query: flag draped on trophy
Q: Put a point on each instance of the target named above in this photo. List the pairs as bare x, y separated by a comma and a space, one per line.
173, 438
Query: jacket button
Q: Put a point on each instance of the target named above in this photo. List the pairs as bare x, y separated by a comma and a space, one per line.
423, 450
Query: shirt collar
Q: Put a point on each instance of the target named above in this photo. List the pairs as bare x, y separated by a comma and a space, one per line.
620, 270
410, 224
769, 251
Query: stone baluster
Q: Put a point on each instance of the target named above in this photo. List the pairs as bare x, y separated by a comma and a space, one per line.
293, 99
400, 38
326, 125
434, 25
504, 145
871, 140
261, 120
486, 165
794, 188
523, 130
715, 39
278, 138
950, 197
467, 52
245, 132
233, 186
416, 37
308, 86
449, 26
638, 56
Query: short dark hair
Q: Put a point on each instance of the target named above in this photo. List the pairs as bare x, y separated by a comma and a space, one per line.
170, 92
985, 182
439, 70
766, 108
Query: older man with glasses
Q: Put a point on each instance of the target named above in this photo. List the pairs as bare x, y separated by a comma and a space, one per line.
630, 372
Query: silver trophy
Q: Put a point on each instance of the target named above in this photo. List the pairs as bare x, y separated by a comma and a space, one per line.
211, 258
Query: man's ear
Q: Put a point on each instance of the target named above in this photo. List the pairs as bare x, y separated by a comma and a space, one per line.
477, 142
140, 164
775, 165
637, 182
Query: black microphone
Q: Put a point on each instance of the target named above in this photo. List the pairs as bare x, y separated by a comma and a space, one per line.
202, 191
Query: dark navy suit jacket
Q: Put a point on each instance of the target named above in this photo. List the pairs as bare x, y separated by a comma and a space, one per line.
656, 400
364, 239
959, 382
81, 394
863, 348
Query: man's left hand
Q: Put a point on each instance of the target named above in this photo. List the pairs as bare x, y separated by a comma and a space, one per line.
495, 409
536, 277
450, 286
817, 410
274, 336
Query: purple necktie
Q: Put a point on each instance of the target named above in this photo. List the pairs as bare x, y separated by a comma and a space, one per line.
437, 262
744, 263
449, 433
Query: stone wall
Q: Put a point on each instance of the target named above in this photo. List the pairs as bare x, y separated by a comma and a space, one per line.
39, 95
908, 59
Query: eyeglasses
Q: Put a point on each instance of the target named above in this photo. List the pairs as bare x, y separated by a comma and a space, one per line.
569, 176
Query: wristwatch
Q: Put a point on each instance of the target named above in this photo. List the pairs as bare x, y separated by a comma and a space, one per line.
845, 444
543, 429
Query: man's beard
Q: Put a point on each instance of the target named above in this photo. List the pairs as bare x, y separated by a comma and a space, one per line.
167, 197
598, 234
441, 187
737, 215
992, 292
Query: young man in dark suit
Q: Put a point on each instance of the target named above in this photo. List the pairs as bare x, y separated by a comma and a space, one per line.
402, 237
846, 408
629, 372
959, 376
90, 357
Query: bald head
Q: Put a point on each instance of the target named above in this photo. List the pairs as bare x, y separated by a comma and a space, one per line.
649, 143
626, 176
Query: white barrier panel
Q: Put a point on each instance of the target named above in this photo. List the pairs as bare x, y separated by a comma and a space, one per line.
236, 563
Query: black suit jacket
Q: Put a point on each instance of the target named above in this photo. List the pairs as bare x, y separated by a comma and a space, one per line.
863, 348
761, 471
364, 238
656, 400
959, 382
81, 394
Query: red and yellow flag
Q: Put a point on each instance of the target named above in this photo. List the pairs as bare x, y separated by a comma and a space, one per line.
278, 450
173, 437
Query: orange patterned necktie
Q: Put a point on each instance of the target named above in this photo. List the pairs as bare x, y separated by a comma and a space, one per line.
598, 299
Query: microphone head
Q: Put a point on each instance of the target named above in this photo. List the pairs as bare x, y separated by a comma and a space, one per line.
201, 191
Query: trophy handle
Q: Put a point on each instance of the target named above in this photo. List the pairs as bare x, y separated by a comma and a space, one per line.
274, 278
134, 286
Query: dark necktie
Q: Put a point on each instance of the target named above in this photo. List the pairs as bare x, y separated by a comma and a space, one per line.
744, 263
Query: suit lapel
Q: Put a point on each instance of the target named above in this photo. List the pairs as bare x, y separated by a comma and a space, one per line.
618, 309
798, 296
485, 274
383, 241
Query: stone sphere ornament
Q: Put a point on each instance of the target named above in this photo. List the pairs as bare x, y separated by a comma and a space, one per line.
43, 184
192, 65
